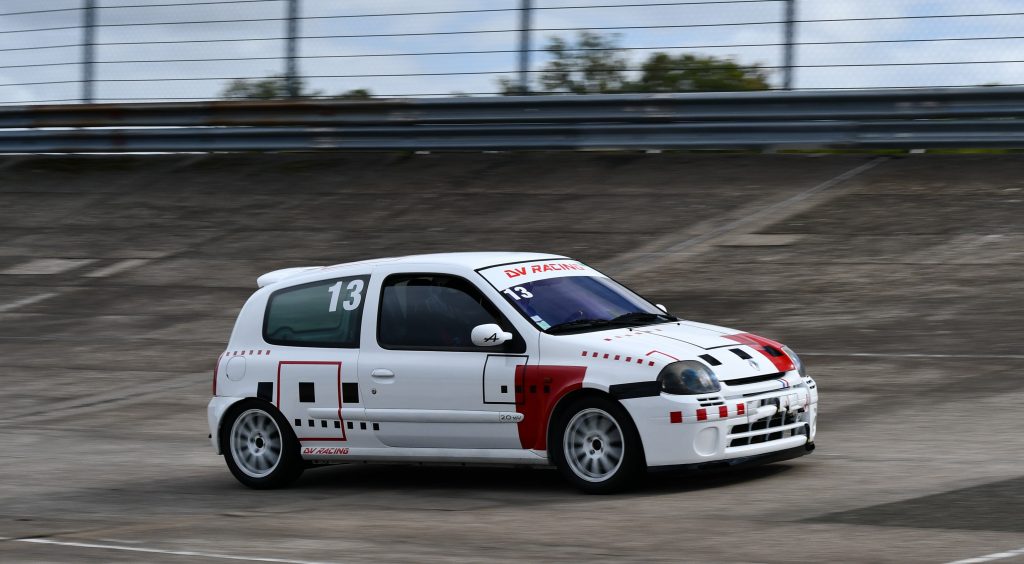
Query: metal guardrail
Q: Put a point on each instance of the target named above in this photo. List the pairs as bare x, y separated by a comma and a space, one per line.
976, 117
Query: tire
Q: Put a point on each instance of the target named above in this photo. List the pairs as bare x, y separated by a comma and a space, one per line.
595, 446
259, 447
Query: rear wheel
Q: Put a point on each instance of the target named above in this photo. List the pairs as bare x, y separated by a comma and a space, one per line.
260, 449
596, 446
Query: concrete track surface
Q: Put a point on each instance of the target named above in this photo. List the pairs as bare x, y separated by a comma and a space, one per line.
898, 279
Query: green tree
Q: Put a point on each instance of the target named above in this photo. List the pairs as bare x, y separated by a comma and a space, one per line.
591, 64
356, 94
275, 87
509, 87
685, 72
596, 64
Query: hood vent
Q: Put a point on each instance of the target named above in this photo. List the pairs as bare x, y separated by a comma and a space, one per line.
710, 360
741, 353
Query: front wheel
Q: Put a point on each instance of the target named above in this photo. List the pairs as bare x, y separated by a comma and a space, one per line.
260, 450
596, 446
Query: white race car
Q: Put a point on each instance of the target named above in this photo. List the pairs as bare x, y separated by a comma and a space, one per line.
494, 358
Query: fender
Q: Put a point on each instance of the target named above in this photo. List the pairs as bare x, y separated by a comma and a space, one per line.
214, 414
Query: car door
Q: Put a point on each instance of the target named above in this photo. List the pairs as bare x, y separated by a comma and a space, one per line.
429, 386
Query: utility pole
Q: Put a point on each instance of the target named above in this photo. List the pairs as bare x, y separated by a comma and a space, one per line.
292, 50
525, 10
789, 41
88, 49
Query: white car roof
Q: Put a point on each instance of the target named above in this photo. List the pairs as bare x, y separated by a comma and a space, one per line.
473, 261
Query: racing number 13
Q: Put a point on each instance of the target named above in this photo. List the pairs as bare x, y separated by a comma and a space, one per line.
355, 296
518, 293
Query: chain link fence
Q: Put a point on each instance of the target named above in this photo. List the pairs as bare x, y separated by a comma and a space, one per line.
58, 51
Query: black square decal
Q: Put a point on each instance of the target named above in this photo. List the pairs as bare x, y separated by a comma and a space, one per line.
349, 392
298, 422
504, 389
306, 392
265, 391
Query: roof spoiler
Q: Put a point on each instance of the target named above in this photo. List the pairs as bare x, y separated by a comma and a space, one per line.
283, 274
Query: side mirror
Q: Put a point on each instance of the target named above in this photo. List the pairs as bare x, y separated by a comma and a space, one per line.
489, 335
662, 308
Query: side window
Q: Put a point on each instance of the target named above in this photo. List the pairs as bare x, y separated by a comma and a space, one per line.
320, 314
437, 312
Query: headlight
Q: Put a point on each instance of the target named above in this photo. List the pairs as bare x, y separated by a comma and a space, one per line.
688, 377
796, 360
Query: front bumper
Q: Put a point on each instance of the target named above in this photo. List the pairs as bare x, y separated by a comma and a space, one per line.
741, 424
739, 463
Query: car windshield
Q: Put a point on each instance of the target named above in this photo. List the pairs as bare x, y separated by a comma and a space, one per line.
581, 303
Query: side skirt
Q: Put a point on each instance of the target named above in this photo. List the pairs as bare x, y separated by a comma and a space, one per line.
334, 453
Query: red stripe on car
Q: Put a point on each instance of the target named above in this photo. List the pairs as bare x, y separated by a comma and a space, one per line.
771, 350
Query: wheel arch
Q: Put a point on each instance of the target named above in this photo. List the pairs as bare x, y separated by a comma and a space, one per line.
220, 411
568, 399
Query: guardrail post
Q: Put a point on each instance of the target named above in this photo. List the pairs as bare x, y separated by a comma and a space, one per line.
88, 49
788, 55
525, 9
292, 50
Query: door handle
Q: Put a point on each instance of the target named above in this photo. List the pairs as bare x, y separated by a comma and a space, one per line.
382, 373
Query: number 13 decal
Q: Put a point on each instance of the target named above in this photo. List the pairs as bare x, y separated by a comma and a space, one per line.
518, 293
355, 296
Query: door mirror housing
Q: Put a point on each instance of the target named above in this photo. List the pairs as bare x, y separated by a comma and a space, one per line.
489, 335
662, 308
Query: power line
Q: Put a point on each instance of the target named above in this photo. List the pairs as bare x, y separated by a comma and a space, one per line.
6, 31
709, 46
40, 101
502, 51
174, 4
516, 9
213, 3
425, 13
606, 28
466, 94
40, 47
471, 73
40, 11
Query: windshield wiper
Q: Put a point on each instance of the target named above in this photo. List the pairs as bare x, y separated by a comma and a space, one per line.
642, 317
577, 324
631, 318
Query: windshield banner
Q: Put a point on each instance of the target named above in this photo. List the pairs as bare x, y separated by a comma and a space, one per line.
509, 275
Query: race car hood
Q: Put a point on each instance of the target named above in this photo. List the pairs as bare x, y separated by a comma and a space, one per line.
654, 346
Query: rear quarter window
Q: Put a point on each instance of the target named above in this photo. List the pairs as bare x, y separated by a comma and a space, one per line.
320, 314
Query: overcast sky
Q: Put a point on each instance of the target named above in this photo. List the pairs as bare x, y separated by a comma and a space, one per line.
119, 79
